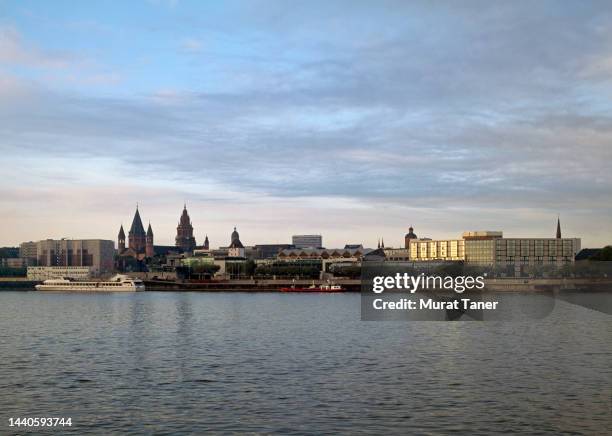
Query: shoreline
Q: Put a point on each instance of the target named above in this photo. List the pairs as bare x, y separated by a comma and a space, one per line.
350, 285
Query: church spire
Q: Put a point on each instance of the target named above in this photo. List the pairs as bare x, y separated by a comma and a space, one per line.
558, 227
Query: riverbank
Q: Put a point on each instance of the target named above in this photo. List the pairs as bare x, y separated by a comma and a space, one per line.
350, 285
16, 283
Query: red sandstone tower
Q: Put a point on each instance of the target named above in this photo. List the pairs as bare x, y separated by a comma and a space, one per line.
149, 249
184, 233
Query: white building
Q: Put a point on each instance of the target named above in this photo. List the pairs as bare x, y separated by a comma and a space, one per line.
236, 249
40, 273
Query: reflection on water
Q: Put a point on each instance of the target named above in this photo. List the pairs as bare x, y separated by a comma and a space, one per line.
171, 362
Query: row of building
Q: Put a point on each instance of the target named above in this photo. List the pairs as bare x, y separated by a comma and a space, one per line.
95, 256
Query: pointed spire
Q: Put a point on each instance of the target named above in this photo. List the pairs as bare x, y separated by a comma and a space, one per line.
149, 230
378, 243
121, 232
382, 243
137, 228
558, 227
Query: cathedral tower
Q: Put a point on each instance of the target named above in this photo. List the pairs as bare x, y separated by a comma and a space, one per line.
121, 239
149, 249
137, 238
184, 233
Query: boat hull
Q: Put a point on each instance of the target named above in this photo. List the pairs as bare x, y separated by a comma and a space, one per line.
319, 290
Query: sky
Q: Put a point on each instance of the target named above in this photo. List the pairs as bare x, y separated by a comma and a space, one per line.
350, 119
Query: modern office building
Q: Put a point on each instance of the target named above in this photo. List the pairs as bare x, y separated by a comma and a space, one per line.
307, 241
94, 253
491, 248
27, 250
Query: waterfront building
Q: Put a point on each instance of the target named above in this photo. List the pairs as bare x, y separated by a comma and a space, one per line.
184, 233
94, 253
428, 249
27, 250
195, 261
236, 249
290, 254
307, 241
13, 262
492, 249
40, 273
268, 251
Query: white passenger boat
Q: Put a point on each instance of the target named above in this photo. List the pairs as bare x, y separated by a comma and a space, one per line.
118, 283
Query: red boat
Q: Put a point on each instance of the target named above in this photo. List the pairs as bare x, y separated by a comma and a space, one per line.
313, 288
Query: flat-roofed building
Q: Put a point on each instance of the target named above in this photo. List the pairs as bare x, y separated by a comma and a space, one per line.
445, 249
307, 241
97, 254
291, 254
14, 262
28, 250
41, 273
491, 248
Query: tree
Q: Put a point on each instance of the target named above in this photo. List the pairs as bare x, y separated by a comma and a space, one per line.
604, 254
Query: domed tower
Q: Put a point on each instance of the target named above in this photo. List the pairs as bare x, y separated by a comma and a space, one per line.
236, 249
149, 250
121, 239
184, 233
206, 244
410, 235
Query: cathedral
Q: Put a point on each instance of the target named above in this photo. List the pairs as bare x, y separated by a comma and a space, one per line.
140, 243
184, 233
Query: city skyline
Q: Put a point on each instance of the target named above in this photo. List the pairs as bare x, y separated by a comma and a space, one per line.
347, 119
225, 241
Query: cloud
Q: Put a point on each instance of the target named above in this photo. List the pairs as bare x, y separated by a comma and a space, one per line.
453, 114
13, 50
191, 45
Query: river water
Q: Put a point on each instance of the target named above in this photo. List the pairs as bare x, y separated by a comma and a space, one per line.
168, 363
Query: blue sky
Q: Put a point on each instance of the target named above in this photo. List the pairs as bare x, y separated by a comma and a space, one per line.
351, 119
